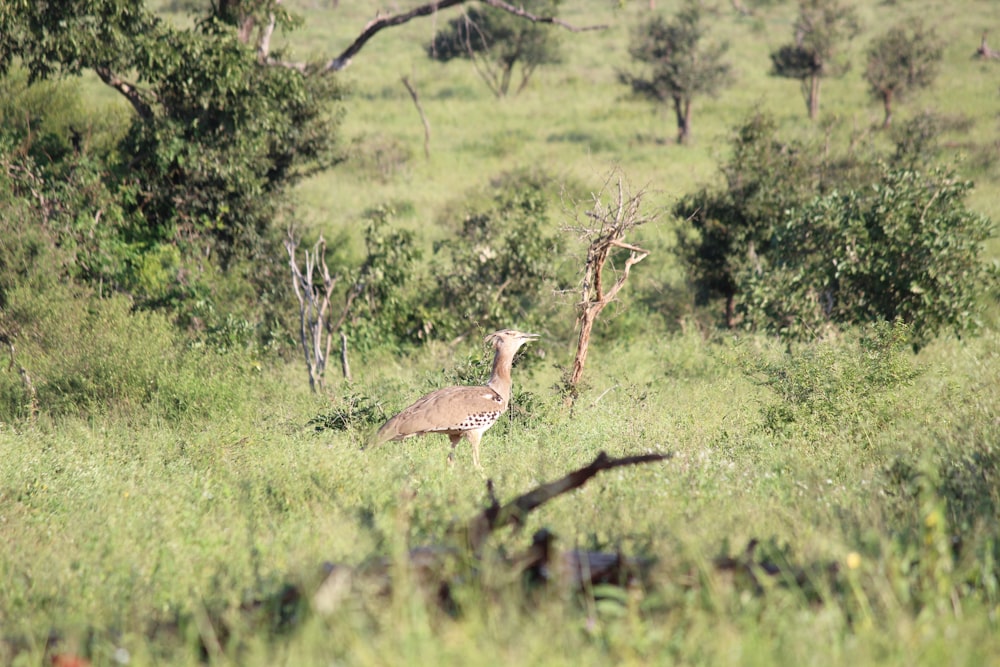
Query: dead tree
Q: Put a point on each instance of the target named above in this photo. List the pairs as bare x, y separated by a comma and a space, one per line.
606, 238
423, 117
315, 332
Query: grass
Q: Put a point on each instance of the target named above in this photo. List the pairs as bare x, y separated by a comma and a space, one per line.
124, 536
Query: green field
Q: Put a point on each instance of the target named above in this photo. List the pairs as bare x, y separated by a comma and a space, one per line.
168, 533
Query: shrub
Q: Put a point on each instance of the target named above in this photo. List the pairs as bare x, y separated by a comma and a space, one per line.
842, 387
496, 268
906, 247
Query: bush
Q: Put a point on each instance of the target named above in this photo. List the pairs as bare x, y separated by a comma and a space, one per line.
837, 387
494, 271
906, 248
88, 357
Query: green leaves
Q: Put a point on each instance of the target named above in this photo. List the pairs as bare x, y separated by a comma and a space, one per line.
500, 41
906, 248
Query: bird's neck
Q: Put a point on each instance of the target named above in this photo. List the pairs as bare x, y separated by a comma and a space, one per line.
500, 381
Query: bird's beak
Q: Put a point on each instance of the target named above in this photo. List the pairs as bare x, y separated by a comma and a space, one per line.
530, 336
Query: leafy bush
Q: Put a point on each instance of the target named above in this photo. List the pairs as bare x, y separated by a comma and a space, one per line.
88, 356
496, 268
844, 387
906, 247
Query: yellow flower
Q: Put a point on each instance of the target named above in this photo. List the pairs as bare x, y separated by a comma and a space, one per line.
853, 560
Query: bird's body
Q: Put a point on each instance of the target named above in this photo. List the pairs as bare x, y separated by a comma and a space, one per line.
462, 411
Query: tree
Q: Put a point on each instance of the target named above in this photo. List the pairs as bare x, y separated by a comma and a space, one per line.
681, 65
733, 225
903, 248
821, 28
217, 139
903, 59
605, 236
497, 42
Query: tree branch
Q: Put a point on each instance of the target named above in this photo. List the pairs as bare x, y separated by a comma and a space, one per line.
379, 23
495, 516
130, 92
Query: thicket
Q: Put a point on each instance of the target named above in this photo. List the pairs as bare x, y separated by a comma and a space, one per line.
798, 241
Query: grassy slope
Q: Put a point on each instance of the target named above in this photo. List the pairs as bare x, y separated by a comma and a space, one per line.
111, 525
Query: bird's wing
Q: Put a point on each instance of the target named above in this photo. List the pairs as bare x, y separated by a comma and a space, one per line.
447, 410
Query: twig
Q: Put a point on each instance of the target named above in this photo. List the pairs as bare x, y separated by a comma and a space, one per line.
423, 117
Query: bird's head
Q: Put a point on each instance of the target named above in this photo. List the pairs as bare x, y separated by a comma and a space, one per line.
510, 338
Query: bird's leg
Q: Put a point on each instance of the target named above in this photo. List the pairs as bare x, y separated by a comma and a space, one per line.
454, 441
474, 438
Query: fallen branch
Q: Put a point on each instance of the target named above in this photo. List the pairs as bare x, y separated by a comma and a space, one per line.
495, 516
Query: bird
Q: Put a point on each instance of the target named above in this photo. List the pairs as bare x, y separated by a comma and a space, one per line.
462, 411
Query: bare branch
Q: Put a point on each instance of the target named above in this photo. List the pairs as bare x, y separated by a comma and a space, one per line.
315, 334
495, 516
427, 126
616, 220
379, 23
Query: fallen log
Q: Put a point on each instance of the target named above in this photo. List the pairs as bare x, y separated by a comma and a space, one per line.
575, 569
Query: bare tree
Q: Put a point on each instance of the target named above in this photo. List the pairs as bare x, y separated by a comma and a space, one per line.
606, 237
315, 332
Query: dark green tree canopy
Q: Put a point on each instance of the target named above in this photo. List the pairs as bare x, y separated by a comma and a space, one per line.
218, 136
733, 224
499, 42
902, 59
679, 64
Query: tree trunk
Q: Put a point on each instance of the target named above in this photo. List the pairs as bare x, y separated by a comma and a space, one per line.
682, 112
814, 97
730, 310
887, 104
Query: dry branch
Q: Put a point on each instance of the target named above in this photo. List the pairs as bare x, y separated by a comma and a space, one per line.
614, 222
496, 516
315, 332
423, 117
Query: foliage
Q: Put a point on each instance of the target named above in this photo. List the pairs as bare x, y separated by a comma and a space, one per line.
918, 140
60, 222
353, 410
499, 42
906, 247
682, 65
93, 357
900, 60
733, 225
820, 30
499, 264
187, 194
378, 308
838, 386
